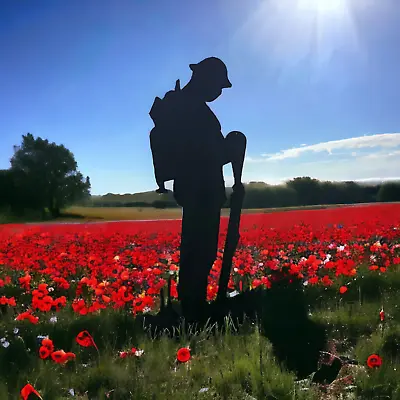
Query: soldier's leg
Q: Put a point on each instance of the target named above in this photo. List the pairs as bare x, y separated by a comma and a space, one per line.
200, 228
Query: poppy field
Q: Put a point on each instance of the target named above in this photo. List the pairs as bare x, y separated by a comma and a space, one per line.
70, 295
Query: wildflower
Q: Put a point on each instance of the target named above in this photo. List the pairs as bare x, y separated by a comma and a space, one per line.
44, 352
84, 339
139, 353
28, 390
343, 289
5, 344
183, 354
48, 344
69, 356
382, 315
59, 356
15, 331
53, 320
374, 361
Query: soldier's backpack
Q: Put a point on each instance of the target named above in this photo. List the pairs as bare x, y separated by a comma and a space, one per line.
162, 142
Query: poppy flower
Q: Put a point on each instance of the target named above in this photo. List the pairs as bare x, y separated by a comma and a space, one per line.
59, 356
183, 355
84, 339
382, 315
27, 390
374, 361
48, 343
44, 352
343, 289
69, 356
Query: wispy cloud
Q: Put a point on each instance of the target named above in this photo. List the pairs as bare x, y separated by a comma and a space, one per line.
384, 140
373, 157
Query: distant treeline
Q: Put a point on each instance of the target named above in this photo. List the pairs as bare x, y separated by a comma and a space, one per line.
302, 191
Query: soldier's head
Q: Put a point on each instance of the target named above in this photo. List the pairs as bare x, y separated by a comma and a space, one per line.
209, 77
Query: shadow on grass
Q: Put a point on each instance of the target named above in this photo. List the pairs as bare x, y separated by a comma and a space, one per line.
280, 313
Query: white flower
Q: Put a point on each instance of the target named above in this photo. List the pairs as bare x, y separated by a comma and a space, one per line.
341, 248
50, 289
53, 320
203, 390
16, 330
5, 344
139, 353
236, 269
305, 283
116, 258
146, 310
71, 392
233, 294
2, 340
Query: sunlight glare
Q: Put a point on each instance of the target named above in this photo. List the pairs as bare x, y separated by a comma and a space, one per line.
322, 6
318, 36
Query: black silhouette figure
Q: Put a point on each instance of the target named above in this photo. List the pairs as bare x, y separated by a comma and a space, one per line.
189, 148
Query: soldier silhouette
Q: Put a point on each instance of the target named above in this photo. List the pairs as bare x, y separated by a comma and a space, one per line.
189, 148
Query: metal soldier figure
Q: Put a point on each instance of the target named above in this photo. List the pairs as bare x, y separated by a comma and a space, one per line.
189, 148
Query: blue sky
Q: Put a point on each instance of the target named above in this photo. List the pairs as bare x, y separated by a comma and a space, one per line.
315, 82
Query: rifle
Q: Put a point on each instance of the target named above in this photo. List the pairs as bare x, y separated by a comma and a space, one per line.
236, 143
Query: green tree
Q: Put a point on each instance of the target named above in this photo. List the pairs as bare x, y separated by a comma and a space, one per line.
48, 174
389, 191
308, 190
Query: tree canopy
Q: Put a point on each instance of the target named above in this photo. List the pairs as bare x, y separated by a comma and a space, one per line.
44, 175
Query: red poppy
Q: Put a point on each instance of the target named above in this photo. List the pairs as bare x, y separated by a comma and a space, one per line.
44, 352
374, 361
183, 355
343, 289
27, 390
48, 343
84, 339
59, 356
69, 356
123, 354
382, 315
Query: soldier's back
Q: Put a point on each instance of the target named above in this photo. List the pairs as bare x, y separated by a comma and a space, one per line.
201, 144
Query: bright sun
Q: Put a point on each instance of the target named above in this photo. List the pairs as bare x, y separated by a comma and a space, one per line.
322, 6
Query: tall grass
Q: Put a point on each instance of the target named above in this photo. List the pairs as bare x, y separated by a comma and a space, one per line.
225, 364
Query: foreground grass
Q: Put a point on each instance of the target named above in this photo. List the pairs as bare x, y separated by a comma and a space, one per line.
229, 365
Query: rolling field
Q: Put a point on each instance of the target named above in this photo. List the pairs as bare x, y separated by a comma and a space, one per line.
135, 213
70, 295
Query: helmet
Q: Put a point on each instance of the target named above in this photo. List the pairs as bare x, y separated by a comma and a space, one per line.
213, 67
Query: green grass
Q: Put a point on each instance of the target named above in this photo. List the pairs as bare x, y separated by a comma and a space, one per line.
232, 365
